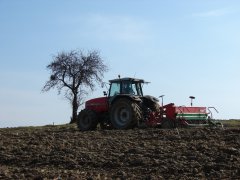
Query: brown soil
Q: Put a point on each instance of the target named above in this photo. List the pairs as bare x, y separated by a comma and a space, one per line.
63, 152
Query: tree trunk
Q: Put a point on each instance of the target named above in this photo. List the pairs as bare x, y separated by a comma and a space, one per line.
74, 109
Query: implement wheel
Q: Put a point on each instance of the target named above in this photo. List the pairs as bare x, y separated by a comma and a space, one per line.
167, 124
125, 114
87, 120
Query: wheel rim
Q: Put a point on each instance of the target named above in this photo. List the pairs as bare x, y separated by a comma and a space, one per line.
86, 121
122, 115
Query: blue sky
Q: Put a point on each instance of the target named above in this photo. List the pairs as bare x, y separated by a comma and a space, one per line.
182, 47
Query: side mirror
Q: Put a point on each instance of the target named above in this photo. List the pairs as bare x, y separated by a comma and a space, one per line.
104, 93
102, 84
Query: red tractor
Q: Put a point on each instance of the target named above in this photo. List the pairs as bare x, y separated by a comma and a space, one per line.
125, 106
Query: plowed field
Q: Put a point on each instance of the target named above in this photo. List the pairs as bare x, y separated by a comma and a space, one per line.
63, 152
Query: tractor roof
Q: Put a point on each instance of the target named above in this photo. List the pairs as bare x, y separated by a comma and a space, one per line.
127, 79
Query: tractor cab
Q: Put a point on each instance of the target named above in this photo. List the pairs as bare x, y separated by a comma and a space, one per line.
126, 86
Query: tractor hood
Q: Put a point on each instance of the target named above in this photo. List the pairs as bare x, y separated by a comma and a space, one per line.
97, 104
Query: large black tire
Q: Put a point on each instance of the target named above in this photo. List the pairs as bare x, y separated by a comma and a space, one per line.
87, 120
125, 114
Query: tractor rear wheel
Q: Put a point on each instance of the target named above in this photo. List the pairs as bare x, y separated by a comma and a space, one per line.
125, 114
87, 120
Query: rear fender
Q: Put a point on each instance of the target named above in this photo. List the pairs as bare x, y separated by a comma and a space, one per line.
151, 98
132, 98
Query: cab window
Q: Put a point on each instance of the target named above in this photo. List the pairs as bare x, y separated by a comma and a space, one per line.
115, 89
129, 88
139, 89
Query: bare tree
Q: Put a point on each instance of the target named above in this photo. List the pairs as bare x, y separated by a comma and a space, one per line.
73, 72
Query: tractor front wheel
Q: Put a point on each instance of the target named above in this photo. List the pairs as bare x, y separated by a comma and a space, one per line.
87, 120
125, 114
